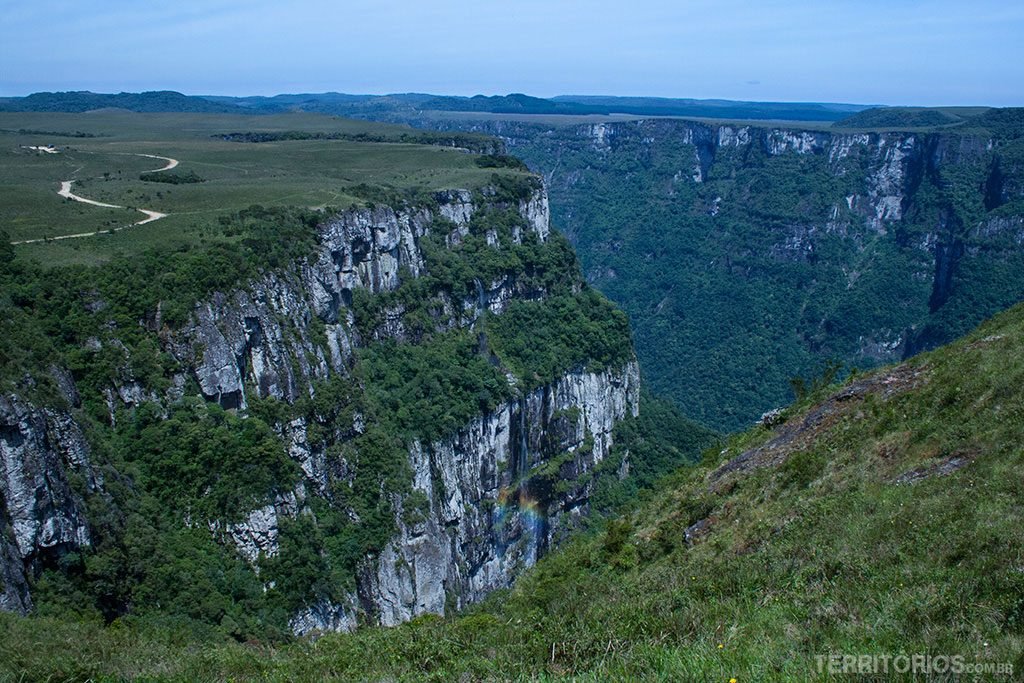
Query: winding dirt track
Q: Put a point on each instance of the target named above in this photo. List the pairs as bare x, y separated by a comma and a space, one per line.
171, 163
65, 191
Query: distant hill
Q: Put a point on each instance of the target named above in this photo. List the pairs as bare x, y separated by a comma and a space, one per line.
1007, 124
375, 107
911, 117
83, 100
514, 103
406, 104
716, 109
517, 103
401, 106
327, 103
411, 104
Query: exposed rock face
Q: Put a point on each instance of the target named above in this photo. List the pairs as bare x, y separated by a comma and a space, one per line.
801, 142
245, 336
14, 592
322, 617
1005, 231
485, 504
487, 520
264, 334
37, 447
892, 158
257, 534
483, 522
41, 514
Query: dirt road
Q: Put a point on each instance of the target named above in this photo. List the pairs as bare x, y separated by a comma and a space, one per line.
65, 191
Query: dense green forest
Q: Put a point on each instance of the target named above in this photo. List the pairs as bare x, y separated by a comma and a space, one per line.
172, 178
82, 101
745, 261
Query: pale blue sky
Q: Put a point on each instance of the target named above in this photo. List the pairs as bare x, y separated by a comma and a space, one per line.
868, 51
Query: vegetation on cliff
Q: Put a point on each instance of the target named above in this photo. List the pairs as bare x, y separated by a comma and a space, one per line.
743, 263
179, 472
880, 516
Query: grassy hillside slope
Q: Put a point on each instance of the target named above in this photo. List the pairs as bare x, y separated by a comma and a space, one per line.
881, 517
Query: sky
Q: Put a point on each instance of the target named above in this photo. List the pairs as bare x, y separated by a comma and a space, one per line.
911, 52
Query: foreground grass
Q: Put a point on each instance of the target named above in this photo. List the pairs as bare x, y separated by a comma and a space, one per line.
893, 524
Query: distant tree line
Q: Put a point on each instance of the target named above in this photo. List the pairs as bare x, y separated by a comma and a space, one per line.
479, 144
171, 178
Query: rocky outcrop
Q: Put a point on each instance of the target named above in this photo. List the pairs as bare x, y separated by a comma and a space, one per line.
38, 447
40, 514
257, 534
1006, 232
486, 502
14, 591
489, 510
289, 328
482, 515
323, 617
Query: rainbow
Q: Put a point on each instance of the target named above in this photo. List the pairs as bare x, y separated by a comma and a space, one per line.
518, 506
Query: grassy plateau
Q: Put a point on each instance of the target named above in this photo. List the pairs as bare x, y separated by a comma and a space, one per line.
100, 151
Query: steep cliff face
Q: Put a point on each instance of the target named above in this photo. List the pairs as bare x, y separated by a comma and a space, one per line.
462, 511
478, 526
487, 502
42, 514
486, 517
38, 448
14, 591
889, 167
792, 246
263, 334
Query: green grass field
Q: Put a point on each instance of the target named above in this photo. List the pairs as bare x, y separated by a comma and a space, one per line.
106, 168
